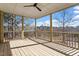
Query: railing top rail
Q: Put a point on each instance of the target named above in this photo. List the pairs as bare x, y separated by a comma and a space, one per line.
49, 31
67, 32
61, 32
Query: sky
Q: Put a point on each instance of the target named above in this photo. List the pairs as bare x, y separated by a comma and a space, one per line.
44, 21
56, 17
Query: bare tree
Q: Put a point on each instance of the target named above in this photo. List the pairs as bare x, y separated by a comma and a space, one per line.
65, 18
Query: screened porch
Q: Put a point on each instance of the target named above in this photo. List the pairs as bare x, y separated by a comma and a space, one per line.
48, 31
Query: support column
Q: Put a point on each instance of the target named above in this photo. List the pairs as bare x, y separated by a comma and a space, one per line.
51, 30
22, 27
35, 29
1, 28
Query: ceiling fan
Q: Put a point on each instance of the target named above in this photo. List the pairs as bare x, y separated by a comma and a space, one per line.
34, 5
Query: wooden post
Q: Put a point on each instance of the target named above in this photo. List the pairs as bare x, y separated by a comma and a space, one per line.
22, 27
35, 29
1, 28
51, 30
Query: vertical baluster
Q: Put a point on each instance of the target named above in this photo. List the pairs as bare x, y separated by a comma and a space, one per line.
60, 37
72, 39
75, 36
69, 39
65, 39
78, 41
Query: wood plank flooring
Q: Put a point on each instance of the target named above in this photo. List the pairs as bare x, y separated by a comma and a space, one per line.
26, 47
60, 48
35, 47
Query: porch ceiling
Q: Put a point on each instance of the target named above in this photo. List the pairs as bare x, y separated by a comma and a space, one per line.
19, 9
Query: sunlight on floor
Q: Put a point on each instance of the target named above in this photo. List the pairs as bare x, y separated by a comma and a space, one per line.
27, 47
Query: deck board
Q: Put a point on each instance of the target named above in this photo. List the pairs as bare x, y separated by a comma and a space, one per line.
34, 47
63, 49
26, 47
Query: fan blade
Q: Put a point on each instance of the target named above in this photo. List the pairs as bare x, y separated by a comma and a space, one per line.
29, 6
35, 4
38, 8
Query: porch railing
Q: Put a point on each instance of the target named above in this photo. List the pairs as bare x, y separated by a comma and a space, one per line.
70, 39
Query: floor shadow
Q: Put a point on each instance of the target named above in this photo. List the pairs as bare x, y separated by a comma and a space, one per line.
67, 53
5, 49
27, 45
